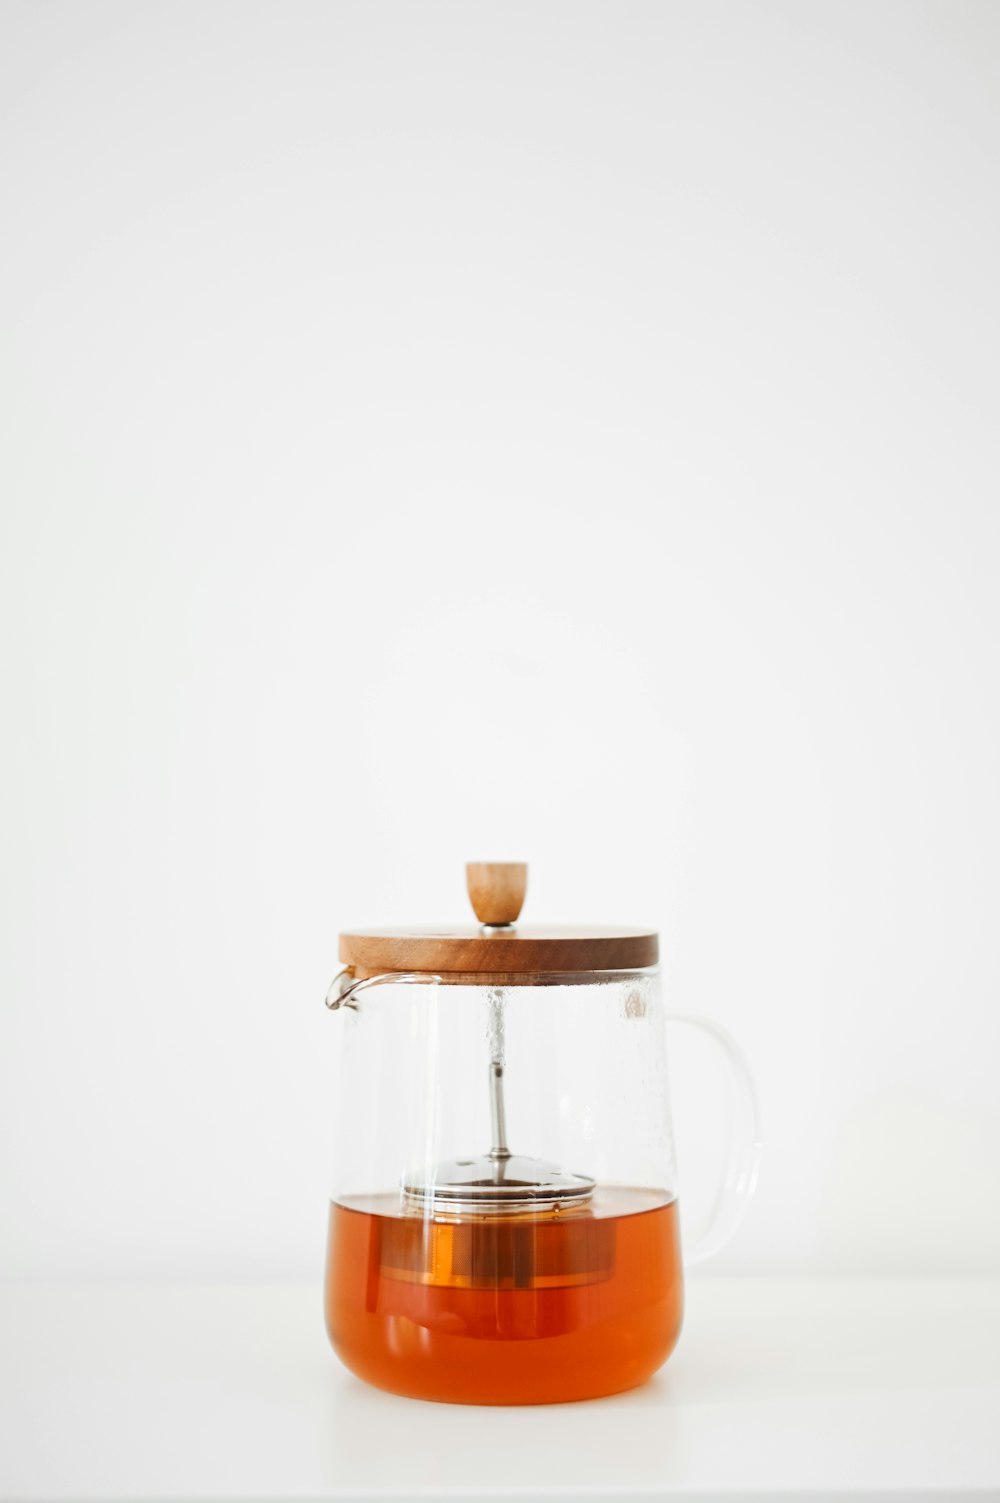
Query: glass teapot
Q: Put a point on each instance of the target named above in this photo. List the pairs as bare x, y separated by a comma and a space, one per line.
503, 1222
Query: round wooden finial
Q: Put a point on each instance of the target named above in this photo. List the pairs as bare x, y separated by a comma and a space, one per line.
496, 889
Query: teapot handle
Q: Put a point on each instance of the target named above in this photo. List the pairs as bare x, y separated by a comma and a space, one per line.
743, 1151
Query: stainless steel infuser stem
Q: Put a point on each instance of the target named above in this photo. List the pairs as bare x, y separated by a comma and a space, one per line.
497, 1114
499, 1153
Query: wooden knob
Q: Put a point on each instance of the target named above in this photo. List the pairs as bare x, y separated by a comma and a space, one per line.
497, 889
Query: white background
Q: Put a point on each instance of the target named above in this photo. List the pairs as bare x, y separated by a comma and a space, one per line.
533, 430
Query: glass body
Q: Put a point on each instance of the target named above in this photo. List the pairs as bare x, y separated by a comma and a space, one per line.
459, 1274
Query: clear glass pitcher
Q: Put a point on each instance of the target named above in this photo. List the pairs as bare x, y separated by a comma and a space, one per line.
503, 1220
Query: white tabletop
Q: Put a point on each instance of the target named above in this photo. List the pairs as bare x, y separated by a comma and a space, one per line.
808, 1388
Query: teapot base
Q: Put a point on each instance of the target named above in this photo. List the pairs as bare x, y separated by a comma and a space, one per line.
532, 1309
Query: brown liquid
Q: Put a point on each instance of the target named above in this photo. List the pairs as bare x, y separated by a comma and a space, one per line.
512, 1309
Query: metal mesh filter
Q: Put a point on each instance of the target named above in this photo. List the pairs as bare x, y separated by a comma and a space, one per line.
491, 1183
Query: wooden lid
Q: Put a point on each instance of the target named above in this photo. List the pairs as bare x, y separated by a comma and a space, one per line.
499, 945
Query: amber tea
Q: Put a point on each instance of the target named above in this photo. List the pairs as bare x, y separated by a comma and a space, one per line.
517, 1307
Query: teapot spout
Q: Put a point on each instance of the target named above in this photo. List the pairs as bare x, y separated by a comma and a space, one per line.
345, 986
